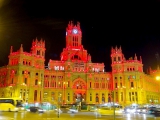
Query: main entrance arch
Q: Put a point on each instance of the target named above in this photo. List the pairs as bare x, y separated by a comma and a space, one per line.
79, 90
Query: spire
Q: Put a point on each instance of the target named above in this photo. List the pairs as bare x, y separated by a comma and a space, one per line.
36, 40
112, 49
149, 70
116, 48
158, 67
78, 24
72, 23
44, 43
21, 48
140, 58
89, 58
120, 49
41, 40
135, 57
123, 58
11, 49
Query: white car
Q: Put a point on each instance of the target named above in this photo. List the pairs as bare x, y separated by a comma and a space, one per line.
73, 110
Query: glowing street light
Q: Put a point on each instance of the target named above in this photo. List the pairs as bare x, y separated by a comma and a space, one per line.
59, 97
157, 77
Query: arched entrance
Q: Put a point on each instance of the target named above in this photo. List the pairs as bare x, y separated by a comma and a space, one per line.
79, 91
79, 97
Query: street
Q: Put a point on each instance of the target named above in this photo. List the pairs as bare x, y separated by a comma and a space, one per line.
51, 115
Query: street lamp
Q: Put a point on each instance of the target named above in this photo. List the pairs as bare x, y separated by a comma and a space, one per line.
64, 87
26, 91
113, 104
59, 96
157, 77
10, 93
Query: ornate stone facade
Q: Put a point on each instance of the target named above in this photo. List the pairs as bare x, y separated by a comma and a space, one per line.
75, 78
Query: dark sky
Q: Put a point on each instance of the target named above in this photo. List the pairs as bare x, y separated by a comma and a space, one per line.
134, 26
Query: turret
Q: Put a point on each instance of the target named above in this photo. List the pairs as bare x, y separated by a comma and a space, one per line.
116, 55
38, 48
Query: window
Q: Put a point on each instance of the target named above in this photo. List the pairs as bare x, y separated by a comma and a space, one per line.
12, 81
68, 97
90, 97
38, 52
36, 82
121, 96
103, 97
132, 85
35, 95
130, 96
97, 98
136, 96
114, 59
119, 59
68, 83
25, 80
90, 85
115, 85
121, 85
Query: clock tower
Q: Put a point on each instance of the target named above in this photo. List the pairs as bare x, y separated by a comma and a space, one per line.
74, 49
73, 35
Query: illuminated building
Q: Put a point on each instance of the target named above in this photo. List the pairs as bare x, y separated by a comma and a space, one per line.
75, 78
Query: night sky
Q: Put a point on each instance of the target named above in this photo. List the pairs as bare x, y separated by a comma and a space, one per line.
134, 26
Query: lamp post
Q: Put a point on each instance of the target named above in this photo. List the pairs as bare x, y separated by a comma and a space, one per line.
10, 89
64, 95
113, 105
23, 84
58, 107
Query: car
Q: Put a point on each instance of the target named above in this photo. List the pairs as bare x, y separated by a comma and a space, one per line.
109, 111
153, 111
141, 110
130, 110
73, 110
66, 109
36, 109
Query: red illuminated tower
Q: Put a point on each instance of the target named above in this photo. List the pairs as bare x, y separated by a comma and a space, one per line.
74, 49
38, 51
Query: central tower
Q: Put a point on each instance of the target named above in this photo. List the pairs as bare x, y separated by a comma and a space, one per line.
74, 49
73, 36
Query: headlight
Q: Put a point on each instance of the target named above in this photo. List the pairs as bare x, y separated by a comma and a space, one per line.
127, 110
40, 110
16, 109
